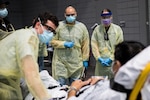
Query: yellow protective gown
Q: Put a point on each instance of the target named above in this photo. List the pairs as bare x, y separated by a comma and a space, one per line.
103, 48
42, 50
18, 57
68, 62
4, 34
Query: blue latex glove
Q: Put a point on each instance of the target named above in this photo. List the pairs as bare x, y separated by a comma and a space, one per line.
69, 44
100, 59
47, 44
103, 62
85, 64
108, 61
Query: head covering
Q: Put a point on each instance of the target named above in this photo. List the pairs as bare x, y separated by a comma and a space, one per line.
106, 14
4, 2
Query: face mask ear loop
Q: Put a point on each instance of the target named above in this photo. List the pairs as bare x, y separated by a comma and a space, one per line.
40, 23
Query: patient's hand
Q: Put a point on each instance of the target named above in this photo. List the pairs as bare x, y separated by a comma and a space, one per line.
78, 84
95, 79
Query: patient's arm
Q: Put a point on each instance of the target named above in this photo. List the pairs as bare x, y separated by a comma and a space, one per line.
78, 84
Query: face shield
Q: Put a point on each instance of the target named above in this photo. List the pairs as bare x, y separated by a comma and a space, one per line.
106, 18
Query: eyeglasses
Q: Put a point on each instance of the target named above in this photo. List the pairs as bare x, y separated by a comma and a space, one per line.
106, 36
70, 14
50, 28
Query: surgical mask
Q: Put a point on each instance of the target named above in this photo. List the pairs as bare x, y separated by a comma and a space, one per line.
46, 36
3, 13
106, 21
70, 19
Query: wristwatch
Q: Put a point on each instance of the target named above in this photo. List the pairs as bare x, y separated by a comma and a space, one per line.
72, 88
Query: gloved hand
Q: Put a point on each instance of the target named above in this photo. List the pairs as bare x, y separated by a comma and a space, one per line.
47, 44
85, 64
108, 61
69, 44
100, 59
103, 61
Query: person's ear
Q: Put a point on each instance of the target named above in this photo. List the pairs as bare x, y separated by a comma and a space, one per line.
64, 14
37, 25
111, 17
117, 65
76, 14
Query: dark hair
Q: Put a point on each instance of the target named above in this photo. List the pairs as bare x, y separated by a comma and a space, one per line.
43, 17
106, 9
6, 2
126, 50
